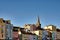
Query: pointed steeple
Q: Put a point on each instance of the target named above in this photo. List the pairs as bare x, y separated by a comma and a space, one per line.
38, 22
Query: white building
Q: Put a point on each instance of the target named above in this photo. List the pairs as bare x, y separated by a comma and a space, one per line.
8, 28
9, 31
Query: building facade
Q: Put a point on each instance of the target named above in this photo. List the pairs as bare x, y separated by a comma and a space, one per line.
5, 29
58, 34
39, 33
9, 31
50, 28
26, 35
29, 37
15, 33
2, 29
52, 31
30, 27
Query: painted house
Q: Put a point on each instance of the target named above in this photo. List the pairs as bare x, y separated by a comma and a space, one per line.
52, 31
5, 29
26, 35
39, 33
9, 28
29, 36
30, 27
50, 28
15, 33
45, 35
2, 29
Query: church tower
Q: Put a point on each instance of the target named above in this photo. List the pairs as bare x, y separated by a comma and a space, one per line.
38, 23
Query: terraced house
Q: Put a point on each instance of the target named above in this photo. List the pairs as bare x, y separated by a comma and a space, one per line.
5, 29
26, 35
2, 29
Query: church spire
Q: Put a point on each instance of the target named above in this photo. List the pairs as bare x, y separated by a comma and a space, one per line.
38, 22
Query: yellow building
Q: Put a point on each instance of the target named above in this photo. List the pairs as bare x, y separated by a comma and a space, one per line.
50, 28
27, 26
2, 29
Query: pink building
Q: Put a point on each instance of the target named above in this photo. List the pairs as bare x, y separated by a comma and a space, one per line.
15, 33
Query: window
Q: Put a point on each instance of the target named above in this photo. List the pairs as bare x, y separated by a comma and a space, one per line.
1, 30
34, 38
2, 35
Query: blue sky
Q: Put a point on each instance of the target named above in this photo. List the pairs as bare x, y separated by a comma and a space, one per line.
22, 12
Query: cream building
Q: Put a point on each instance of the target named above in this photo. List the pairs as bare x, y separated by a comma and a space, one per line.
39, 33
30, 27
51, 31
50, 28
